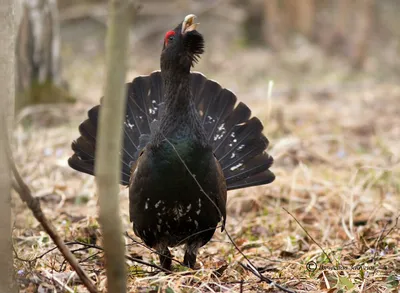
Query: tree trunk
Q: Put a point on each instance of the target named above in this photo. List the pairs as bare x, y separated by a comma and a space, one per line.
38, 54
359, 49
341, 34
108, 147
272, 25
253, 22
305, 16
342, 17
7, 64
289, 14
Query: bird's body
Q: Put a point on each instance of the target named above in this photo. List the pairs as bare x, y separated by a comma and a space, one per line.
164, 188
185, 145
174, 168
177, 179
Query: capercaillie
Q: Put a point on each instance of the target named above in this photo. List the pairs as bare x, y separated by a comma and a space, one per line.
186, 142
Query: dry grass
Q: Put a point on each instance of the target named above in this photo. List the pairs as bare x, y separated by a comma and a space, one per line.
337, 163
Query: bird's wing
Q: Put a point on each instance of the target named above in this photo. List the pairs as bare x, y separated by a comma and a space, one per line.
222, 192
134, 168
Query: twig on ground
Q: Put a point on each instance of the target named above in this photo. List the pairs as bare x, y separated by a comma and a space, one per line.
381, 237
126, 256
392, 228
59, 282
308, 234
34, 205
377, 243
151, 249
372, 236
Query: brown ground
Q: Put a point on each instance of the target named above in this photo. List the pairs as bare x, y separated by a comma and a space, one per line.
334, 135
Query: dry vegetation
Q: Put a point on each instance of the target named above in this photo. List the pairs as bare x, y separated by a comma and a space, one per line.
337, 162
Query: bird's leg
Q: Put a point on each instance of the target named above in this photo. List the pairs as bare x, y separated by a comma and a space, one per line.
189, 259
165, 257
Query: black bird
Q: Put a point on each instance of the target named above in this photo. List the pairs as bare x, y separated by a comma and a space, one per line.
186, 142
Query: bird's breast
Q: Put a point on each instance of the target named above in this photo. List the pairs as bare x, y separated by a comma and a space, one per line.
166, 195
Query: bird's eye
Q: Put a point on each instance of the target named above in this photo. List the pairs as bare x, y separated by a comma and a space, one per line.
170, 36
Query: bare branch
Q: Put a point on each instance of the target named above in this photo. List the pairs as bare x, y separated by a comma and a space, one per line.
34, 205
308, 234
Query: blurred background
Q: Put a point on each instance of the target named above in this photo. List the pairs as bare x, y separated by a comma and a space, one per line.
333, 120
314, 46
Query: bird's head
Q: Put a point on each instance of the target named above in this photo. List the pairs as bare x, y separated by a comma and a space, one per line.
182, 46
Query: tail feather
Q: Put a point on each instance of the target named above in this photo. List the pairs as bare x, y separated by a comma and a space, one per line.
144, 98
259, 179
88, 130
223, 136
222, 107
84, 148
81, 165
137, 105
254, 166
213, 102
242, 155
204, 100
93, 114
237, 139
241, 137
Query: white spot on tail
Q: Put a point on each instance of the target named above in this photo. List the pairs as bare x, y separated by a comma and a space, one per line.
218, 136
158, 204
199, 210
236, 166
178, 212
221, 127
127, 123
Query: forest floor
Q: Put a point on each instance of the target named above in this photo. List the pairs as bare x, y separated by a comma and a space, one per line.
328, 222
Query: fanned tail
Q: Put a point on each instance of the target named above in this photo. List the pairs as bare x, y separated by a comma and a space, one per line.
142, 106
237, 139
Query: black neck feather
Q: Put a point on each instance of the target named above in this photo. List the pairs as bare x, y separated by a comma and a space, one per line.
181, 119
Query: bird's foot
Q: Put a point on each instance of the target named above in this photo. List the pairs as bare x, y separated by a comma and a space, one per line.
165, 258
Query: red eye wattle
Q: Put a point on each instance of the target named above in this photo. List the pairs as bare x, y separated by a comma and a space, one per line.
168, 35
